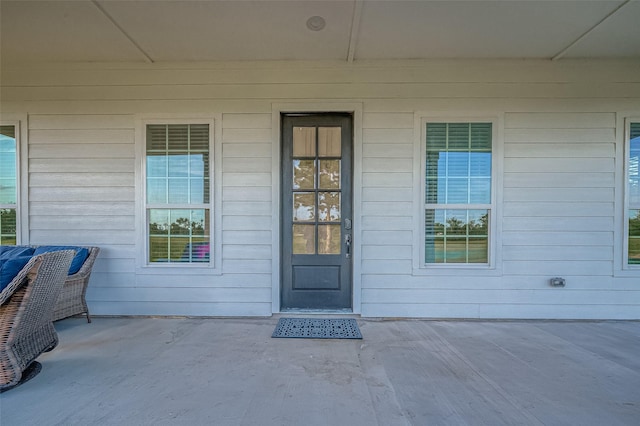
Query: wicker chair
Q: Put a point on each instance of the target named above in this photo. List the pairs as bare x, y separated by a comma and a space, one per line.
26, 309
72, 299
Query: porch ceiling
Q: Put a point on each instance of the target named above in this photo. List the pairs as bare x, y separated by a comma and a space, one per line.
181, 30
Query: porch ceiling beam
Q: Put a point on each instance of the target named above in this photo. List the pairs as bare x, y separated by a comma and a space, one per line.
111, 19
355, 29
564, 51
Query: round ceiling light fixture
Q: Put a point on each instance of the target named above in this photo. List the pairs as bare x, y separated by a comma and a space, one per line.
316, 23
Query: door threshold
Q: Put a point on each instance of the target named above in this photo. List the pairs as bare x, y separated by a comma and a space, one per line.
345, 313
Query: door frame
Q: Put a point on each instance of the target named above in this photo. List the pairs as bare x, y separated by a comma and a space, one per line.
277, 109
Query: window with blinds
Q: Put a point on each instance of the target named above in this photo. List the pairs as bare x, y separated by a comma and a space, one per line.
8, 185
458, 193
178, 193
633, 194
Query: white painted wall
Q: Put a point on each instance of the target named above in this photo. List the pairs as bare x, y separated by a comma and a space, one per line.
560, 186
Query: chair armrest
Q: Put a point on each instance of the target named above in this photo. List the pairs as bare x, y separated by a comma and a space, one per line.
19, 279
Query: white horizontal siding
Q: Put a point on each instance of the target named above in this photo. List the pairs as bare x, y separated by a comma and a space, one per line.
567, 221
558, 183
82, 185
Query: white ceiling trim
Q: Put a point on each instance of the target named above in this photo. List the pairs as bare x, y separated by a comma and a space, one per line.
355, 29
564, 51
146, 56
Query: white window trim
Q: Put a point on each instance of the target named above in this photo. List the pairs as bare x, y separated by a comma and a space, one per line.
20, 125
625, 189
215, 136
419, 266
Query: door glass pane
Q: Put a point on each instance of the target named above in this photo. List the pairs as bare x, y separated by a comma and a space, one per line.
304, 174
304, 141
329, 239
329, 142
329, 174
304, 207
304, 239
329, 206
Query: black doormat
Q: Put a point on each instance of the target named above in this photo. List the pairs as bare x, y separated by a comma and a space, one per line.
315, 328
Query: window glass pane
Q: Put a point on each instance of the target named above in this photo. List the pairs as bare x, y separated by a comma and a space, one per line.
634, 237
456, 222
329, 239
8, 164
8, 191
633, 189
179, 236
480, 164
199, 165
157, 166
156, 137
456, 236
329, 142
178, 191
478, 249
458, 172
304, 239
634, 165
455, 250
436, 137
435, 167
480, 191
458, 137
8, 226
329, 206
156, 191
178, 137
457, 191
304, 206
8, 131
199, 191
481, 136
304, 174
304, 141
478, 222
199, 137
457, 164
178, 163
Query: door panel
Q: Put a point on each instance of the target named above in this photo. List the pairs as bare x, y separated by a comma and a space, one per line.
316, 211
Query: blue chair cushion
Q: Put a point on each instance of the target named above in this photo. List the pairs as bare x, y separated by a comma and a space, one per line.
78, 260
7, 252
10, 267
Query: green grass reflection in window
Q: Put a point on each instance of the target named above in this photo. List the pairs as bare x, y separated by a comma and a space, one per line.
456, 236
177, 235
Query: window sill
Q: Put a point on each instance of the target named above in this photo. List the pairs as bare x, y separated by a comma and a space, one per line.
178, 269
458, 270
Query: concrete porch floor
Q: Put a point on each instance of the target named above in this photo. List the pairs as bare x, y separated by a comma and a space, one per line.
187, 371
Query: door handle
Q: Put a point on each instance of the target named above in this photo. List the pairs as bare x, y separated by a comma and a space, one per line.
347, 242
